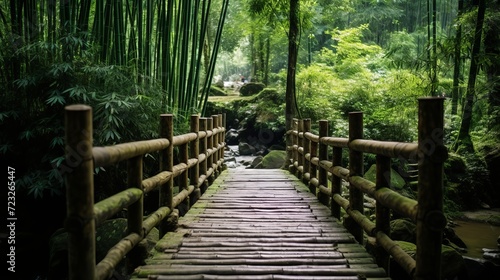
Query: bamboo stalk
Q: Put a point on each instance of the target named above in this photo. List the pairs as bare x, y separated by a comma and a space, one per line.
383, 214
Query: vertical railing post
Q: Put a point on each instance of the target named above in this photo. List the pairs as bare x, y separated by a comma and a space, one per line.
166, 164
355, 169
215, 141
300, 167
323, 156
313, 170
216, 145
430, 219
194, 151
184, 176
135, 211
210, 146
222, 136
382, 213
203, 150
295, 146
306, 150
80, 223
336, 182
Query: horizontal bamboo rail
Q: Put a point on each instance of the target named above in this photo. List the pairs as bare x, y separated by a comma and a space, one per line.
311, 164
201, 155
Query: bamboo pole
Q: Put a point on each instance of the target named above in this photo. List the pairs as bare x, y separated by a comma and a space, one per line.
80, 223
335, 142
385, 148
184, 176
135, 211
222, 137
383, 214
336, 181
300, 146
203, 151
166, 164
306, 144
355, 169
295, 144
323, 155
430, 219
313, 170
215, 157
210, 146
194, 152
108, 207
109, 155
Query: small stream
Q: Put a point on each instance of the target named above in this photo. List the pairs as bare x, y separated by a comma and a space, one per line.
477, 236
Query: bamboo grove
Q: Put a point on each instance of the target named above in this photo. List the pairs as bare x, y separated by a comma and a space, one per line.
172, 42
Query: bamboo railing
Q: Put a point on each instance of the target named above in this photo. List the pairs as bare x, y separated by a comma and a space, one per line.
310, 163
201, 155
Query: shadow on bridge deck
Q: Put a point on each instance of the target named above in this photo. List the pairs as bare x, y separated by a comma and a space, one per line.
259, 224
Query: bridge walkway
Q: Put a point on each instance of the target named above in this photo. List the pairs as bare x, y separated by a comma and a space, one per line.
259, 224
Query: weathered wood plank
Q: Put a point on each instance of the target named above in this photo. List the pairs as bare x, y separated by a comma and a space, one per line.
259, 224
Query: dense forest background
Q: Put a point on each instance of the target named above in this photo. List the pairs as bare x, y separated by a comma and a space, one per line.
132, 60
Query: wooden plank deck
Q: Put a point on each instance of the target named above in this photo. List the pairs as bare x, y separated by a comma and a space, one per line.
259, 224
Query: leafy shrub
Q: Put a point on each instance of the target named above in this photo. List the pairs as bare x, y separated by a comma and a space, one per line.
34, 117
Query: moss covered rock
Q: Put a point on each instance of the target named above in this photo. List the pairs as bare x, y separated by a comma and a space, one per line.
249, 89
216, 91
403, 230
275, 159
452, 263
454, 167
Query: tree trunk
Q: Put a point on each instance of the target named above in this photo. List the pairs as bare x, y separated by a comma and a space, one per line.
456, 72
266, 65
291, 105
463, 140
492, 48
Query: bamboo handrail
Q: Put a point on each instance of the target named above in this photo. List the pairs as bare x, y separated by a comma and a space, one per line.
426, 212
200, 163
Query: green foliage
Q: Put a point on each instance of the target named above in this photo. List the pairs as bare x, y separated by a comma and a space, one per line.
402, 50
354, 76
123, 111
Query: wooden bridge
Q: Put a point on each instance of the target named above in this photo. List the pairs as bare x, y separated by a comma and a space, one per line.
256, 224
